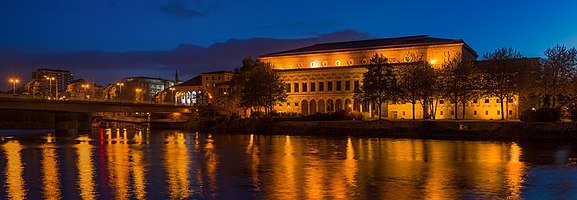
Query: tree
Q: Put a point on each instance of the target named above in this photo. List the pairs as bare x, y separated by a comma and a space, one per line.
558, 76
416, 79
33, 88
258, 86
501, 74
458, 81
379, 82
110, 92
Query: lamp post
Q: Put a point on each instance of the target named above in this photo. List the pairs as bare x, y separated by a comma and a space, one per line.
85, 86
138, 90
120, 90
50, 79
172, 96
14, 81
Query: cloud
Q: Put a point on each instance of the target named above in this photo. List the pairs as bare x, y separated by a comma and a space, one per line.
180, 9
190, 60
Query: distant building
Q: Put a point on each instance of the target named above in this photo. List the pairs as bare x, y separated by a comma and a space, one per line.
62, 78
207, 85
148, 86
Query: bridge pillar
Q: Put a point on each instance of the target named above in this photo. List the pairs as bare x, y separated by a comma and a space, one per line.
66, 121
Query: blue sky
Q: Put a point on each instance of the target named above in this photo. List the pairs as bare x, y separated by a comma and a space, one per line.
35, 33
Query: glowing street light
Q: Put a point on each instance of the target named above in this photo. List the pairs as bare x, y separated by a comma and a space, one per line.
120, 84
50, 79
138, 90
14, 81
172, 96
85, 86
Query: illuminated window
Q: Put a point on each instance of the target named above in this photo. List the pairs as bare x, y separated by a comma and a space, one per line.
498, 100
305, 87
321, 86
338, 86
330, 86
313, 87
347, 85
296, 87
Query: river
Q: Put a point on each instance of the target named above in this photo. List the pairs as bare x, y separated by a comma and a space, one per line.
142, 164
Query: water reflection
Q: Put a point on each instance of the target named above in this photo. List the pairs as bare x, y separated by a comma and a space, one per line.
15, 184
85, 168
51, 177
132, 164
176, 163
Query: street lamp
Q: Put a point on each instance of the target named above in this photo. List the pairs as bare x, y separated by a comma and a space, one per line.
50, 79
120, 90
172, 96
85, 86
138, 90
14, 81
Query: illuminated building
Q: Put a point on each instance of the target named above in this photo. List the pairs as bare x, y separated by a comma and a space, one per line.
207, 85
149, 86
62, 79
323, 77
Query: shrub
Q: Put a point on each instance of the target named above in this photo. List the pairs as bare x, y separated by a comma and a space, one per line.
541, 115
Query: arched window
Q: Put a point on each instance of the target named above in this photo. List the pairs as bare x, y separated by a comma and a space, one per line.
313, 107
348, 105
330, 106
304, 107
339, 105
321, 106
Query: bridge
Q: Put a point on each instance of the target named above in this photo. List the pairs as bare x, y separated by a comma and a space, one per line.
68, 114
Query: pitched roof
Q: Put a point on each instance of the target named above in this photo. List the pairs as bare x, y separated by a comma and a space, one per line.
196, 81
418, 40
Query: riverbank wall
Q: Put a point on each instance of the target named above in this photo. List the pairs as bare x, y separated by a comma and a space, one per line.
431, 129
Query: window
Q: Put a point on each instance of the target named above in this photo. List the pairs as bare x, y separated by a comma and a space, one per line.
313, 88
498, 100
452, 112
288, 87
357, 85
305, 87
441, 112
321, 86
486, 112
296, 87
338, 86
213, 78
329, 86
486, 100
403, 113
218, 77
498, 112
510, 112
442, 101
280, 105
296, 104
347, 85
288, 104
475, 112
475, 101
206, 78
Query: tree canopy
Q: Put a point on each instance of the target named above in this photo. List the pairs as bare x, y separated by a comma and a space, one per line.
379, 82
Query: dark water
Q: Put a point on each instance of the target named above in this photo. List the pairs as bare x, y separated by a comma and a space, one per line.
118, 164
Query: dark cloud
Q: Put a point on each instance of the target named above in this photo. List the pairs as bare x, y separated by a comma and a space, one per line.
106, 67
181, 9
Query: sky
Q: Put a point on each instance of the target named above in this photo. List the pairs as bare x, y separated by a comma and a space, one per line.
105, 40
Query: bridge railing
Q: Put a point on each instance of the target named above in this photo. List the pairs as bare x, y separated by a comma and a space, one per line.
125, 101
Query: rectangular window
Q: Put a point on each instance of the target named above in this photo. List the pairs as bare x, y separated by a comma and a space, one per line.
442, 101
475, 112
498, 100
452, 112
347, 85
486, 112
218, 77
288, 87
330, 86
441, 112
475, 101
486, 100
313, 88
498, 112
305, 87
321, 86
357, 85
338, 86
296, 87
296, 104
510, 112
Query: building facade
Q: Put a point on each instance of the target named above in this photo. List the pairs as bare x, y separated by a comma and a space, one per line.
208, 85
53, 80
146, 86
323, 77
